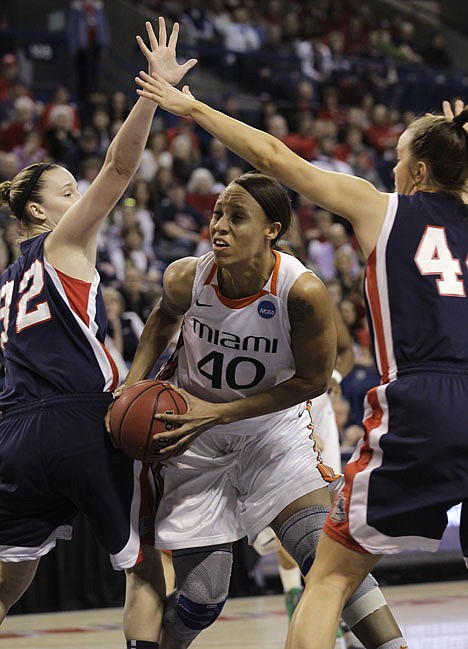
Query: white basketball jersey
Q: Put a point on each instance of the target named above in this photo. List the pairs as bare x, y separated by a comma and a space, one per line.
234, 348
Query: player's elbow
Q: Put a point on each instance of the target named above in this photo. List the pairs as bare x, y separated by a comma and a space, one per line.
267, 154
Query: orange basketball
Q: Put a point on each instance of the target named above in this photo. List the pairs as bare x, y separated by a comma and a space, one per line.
132, 421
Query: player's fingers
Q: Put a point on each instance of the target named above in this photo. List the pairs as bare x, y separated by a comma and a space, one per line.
143, 47
152, 36
459, 105
174, 35
447, 109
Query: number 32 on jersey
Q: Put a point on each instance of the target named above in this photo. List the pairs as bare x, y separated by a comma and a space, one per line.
31, 285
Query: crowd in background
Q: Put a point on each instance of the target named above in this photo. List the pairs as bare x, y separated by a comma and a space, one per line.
328, 77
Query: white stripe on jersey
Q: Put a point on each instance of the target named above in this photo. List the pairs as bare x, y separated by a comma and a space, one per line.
89, 332
383, 300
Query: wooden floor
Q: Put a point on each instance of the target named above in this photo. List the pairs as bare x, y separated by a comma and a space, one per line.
433, 616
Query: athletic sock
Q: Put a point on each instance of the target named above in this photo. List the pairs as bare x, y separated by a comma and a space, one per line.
142, 644
290, 578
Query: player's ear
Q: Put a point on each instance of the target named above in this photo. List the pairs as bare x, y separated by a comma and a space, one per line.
36, 211
273, 230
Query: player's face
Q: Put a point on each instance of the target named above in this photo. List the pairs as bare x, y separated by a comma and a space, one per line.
239, 228
404, 179
60, 192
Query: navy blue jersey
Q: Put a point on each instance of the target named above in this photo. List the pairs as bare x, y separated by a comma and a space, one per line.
52, 330
416, 284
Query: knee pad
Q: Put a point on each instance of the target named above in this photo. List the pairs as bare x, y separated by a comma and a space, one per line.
202, 578
300, 533
366, 599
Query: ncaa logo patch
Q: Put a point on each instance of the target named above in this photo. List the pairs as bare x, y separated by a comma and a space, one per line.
266, 309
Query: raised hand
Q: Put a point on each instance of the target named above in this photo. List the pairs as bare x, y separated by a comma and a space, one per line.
162, 55
154, 87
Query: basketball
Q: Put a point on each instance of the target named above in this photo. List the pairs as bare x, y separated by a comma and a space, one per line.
132, 421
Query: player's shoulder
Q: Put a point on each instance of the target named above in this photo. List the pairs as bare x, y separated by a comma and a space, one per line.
179, 277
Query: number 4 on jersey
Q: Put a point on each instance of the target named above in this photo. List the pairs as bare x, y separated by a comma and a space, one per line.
434, 257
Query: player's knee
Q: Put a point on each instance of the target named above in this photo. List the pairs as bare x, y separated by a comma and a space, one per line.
300, 533
366, 599
202, 576
197, 616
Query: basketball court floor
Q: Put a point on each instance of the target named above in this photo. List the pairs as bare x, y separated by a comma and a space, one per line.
432, 616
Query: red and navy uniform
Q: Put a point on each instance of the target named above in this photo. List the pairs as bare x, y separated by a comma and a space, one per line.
412, 464
55, 456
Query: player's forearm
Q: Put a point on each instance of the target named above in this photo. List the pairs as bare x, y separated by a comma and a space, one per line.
251, 144
289, 393
125, 150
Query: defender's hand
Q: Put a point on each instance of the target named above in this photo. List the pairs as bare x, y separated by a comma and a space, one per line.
162, 55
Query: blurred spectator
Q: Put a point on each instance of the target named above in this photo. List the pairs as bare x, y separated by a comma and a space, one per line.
9, 74
203, 192
31, 150
322, 250
88, 145
240, 38
178, 226
326, 158
8, 165
100, 123
132, 252
88, 36
349, 433
61, 97
329, 108
163, 179
217, 160
135, 292
119, 107
24, 121
335, 290
359, 332
315, 57
154, 156
380, 133
60, 140
9, 243
89, 169
436, 53
121, 334
196, 21
346, 265
184, 126
363, 167
140, 192
406, 49
184, 157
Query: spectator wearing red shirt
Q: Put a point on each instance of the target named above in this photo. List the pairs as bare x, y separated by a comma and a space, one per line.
381, 134
203, 192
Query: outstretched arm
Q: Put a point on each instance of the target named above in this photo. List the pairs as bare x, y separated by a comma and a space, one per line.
351, 197
72, 245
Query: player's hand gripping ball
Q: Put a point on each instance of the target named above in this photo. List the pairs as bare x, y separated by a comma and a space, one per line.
132, 422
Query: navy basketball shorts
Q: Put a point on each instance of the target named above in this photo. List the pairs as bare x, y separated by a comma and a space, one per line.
410, 467
56, 459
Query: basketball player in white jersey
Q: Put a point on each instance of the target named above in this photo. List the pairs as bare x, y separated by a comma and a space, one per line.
328, 441
257, 343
